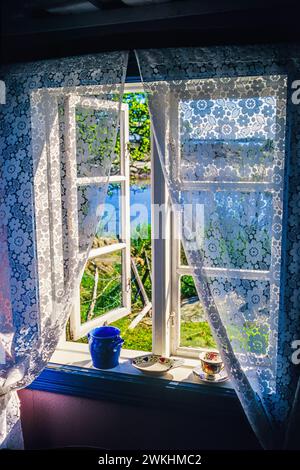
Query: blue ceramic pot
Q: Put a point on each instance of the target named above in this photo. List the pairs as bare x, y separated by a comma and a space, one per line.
105, 346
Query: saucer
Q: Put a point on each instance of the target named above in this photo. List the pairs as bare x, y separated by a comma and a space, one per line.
154, 364
219, 378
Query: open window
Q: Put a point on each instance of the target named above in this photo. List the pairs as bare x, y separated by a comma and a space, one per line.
116, 282
104, 294
229, 160
228, 166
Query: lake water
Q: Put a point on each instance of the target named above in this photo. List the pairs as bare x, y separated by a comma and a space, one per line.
140, 195
140, 207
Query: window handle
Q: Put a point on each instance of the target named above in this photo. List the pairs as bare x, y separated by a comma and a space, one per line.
128, 285
172, 317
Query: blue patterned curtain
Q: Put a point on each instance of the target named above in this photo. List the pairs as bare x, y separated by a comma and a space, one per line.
46, 217
227, 131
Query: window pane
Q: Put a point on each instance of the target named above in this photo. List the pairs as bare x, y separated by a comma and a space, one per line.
183, 260
244, 306
139, 338
109, 229
115, 168
194, 329
95, 140
235, 138
231, 229
90, 200
101, 286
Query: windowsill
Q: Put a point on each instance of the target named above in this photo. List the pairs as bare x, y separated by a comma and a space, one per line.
70, 372
77, 355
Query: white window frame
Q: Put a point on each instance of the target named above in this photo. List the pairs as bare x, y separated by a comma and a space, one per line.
78, 329
47, 175
166, 266
162, 320
178, 270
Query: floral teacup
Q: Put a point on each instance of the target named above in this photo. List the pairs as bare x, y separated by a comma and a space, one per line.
211, 363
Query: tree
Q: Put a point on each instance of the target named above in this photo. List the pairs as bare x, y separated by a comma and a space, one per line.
139, 127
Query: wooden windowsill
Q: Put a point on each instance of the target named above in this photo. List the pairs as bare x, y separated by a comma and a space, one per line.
77, 355
70, 372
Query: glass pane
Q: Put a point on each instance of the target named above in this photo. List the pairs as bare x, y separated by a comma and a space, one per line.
95, 140
183, 260
90, 203
109, 228
236, 138
115, 168
230, 229
140, 209
93, 200
194, 329
140, 337
101, 286
244, 306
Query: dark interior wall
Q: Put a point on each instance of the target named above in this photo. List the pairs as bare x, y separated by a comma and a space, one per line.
180, 23
50, 420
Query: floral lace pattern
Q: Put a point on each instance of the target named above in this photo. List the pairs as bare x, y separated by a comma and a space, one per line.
220, 117
242, 239
39, 270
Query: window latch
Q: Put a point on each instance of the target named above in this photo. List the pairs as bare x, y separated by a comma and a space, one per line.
172, 317
128, 285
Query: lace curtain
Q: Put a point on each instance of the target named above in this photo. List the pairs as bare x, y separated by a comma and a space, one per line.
220, 118
59, 126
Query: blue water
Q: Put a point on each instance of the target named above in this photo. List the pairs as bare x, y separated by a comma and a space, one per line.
140, 194
140, 208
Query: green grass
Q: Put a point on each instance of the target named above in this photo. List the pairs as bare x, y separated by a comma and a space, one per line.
140, 338
109, 291
196, 335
